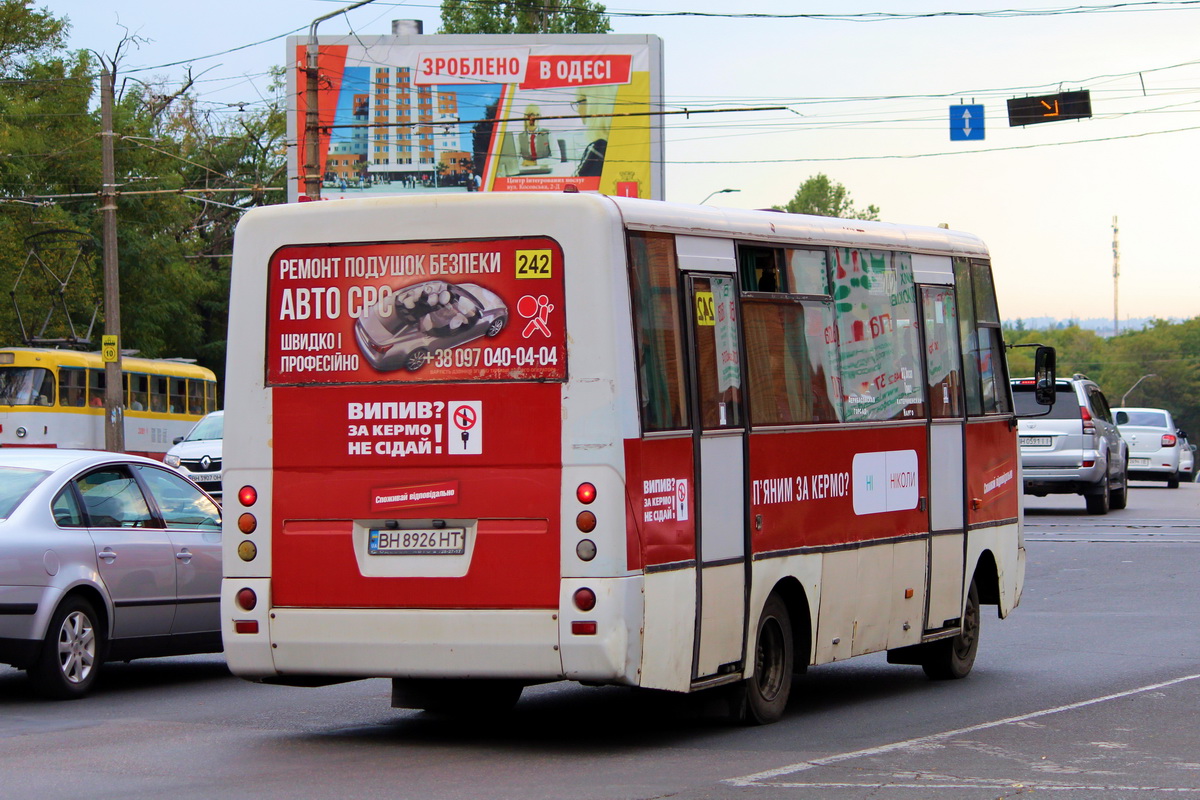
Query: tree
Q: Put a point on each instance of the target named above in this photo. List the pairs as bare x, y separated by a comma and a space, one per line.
523, 16
823, 197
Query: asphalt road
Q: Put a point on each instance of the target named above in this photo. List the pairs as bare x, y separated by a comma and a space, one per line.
1089, 690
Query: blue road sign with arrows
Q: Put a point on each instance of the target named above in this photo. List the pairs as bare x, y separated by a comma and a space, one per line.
966, 123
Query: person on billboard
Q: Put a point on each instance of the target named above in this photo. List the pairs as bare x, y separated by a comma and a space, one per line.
535, 140
595, 110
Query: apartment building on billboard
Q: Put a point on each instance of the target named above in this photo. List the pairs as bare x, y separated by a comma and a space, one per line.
415, 128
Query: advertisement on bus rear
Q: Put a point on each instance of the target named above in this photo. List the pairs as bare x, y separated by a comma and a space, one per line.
447, 114
483, 310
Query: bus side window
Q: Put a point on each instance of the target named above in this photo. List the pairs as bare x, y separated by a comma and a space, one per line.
758, 269
657, 331
879, 342
195, 397
943, 371
96, 388
985, 378
178, 400
72, 385
792, 361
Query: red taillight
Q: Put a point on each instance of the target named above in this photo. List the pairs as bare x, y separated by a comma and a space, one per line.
586, 493
583, 628
246, 599
245, 626
585, 599
1168, 440
247, 496
1088, 425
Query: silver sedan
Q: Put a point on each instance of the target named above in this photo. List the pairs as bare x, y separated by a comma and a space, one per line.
103, 557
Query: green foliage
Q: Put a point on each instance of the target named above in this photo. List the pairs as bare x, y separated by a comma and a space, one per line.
173, 248
1170, 351
823, 197
523, 16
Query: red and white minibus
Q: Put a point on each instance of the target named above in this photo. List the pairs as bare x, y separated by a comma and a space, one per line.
479, 442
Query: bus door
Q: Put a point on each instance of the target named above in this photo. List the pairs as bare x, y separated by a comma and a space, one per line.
947, 493
719, 446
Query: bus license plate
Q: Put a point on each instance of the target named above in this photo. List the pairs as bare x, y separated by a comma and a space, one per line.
1035, 441
1139, 462
418, 542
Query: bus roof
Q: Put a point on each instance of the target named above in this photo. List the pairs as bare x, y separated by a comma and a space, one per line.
656, 215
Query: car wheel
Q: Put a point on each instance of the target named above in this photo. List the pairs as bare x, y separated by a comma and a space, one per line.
497, 326
416, 359
1099, 502
71, 652
950, 659
762, 698
1119, 498
1173, 481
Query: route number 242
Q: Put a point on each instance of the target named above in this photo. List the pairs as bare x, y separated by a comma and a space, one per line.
533, 263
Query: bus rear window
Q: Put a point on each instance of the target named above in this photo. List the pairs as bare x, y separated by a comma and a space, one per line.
489, 310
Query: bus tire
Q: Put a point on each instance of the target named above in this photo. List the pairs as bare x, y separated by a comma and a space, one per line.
762, 698
71, 653
457, 697
950, 659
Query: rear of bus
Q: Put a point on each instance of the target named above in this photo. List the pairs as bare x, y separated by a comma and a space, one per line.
422, 447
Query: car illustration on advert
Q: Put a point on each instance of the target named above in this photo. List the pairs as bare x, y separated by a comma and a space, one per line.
406, 329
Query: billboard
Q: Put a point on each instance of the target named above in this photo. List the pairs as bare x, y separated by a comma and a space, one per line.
497, 113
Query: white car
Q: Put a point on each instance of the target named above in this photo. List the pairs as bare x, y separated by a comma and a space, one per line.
198, 455
1154, 444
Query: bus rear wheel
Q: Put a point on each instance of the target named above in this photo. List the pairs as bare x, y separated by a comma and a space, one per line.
762, 698
953, 658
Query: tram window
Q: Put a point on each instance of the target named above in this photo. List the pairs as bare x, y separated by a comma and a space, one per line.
96, 380
158, 393
195, 397
178, 398
210, 395
72, 385
137, 397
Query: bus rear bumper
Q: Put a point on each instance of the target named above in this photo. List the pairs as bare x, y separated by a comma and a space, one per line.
529, 644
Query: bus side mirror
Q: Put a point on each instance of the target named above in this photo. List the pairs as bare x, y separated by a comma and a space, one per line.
1043, 375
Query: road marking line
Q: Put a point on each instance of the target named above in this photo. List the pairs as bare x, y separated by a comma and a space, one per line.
757, 778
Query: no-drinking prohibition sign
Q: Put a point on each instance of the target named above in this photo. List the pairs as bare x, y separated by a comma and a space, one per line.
464, 426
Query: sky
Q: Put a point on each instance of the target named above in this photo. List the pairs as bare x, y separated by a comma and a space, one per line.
867, 103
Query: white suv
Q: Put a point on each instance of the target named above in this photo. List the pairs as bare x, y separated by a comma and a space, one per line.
198, 455
1154, 444
1074, 447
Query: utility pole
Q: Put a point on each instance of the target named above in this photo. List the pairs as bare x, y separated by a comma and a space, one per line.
114, 389
1116, 275
312, 113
